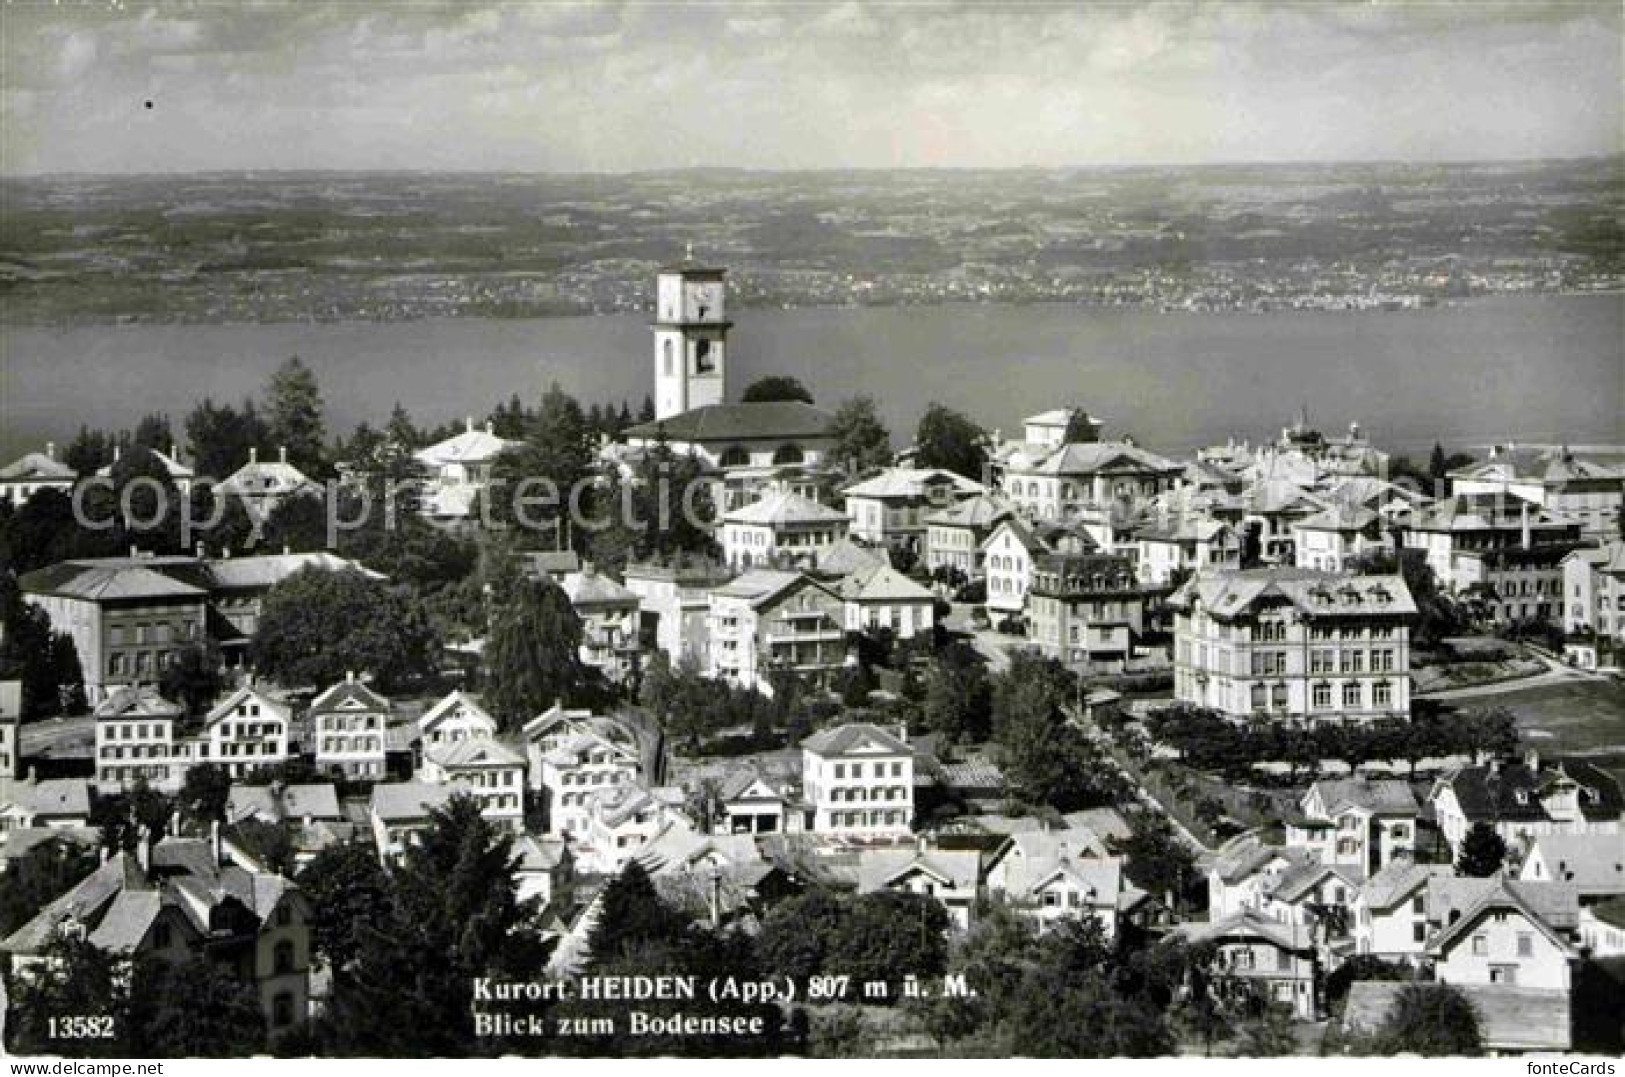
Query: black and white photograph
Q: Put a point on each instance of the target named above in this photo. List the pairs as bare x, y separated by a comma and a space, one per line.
871, 529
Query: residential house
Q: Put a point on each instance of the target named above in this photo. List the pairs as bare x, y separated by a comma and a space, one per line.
348, 723
1569, 485
882, 597
53, 804
1319, 897
1527, 800
1512, 585
751, 803
1260, 958
1357, 822
674, 600
457, 470
767, 620
243, 732
32, 472
1294, 644
136, 739
1270, 510
486, 769
1477, 524
621, 819
858, 781
1055, 483
170, 462
544, 869
1594, 591
948, 876
1602, 928
1051, 875
1336, 538
1501, 939
1008, 555
1390, 911
455, 718
1244, 870
891, 508
141, 735
1593, 863
399, 811
574, 755
782, 529
264, 485
610, 631
954, 535
177, 899
1194, 544
1085, 609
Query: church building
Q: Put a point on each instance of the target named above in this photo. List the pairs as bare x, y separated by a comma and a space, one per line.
691, 380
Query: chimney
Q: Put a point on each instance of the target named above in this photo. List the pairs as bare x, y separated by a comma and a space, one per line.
1531, 759
253, 454
214, 842
282, 454
50, 450
902, 732
117, 452
143, 849
30, 778
199, 550
468, 423
1524, 525
135, 551
349, 676
490, 427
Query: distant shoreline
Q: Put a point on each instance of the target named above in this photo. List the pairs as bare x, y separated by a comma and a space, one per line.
1139, 308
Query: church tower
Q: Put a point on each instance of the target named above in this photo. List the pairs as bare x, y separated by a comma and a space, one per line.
691, 334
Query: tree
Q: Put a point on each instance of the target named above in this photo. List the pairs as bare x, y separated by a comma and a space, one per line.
194, 678
949, 440
1080, 427
46, 662
205, 793
1269, 1035
1156, 860
887, 935
776, 387
862, 442
958, 696
76, 979
293, 407
1046, 759
222, 437
346, 887
317, 625
631, 916
43, 874
142, 814
533, 654
193, 1008
454, 917
797, 934
1432, 1020
1483, 851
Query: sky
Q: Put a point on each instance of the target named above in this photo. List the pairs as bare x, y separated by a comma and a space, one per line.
176, 87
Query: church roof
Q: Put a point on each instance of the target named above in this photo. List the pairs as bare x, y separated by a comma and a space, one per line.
780, 420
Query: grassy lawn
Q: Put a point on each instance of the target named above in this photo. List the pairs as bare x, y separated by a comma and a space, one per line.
1578, 717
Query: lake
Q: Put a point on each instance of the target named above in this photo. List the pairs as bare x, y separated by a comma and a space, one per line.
1530, 368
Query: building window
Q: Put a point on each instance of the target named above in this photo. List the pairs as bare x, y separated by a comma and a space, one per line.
282, 957
1481, 945
1352, 696
1419, 932
1322, 696
1526, 944
1382, 694
282, 1010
